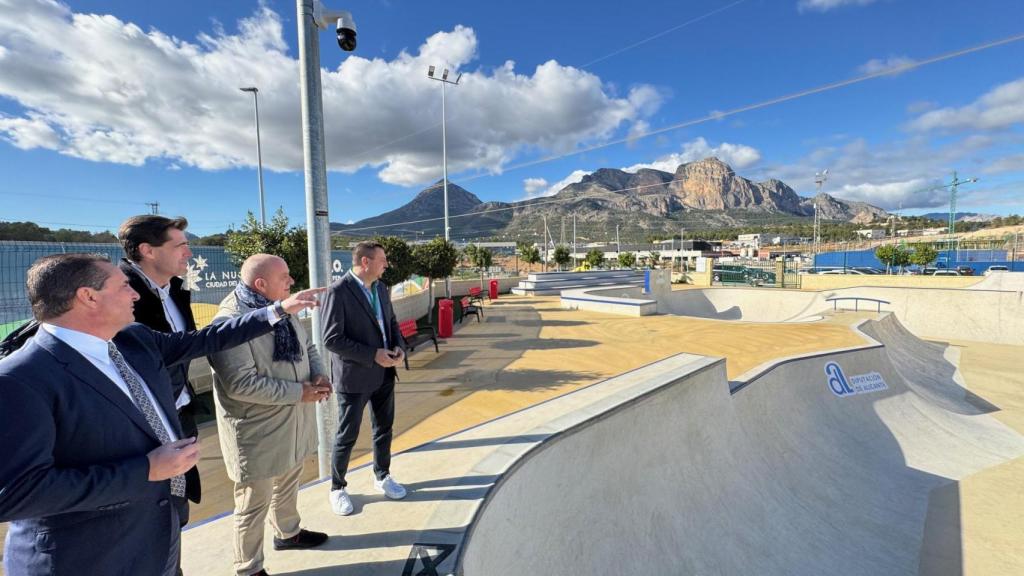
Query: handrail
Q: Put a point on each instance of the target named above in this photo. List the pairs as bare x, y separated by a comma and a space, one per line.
856, 301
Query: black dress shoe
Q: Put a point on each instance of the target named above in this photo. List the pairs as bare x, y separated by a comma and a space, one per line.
260, 573
304, 539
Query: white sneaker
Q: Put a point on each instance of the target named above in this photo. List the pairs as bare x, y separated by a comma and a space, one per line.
390, 488
341, 503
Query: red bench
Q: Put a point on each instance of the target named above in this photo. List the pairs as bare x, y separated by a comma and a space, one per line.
414, 336
477, 294
468, 308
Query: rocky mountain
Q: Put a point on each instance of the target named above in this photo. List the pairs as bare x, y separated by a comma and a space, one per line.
698, 195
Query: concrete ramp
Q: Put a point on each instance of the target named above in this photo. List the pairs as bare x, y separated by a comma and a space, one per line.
830, 464
932, 313
748, 304
1007, 281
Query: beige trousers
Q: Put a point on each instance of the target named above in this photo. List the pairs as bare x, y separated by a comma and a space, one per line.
279, 496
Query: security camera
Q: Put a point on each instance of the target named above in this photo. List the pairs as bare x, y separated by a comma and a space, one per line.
346, 32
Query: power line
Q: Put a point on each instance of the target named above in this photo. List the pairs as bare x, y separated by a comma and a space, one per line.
663, 33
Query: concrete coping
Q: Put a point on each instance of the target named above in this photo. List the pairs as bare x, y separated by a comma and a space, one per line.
599, 294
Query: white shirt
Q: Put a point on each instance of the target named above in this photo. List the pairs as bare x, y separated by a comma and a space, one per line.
97, 353
174, 318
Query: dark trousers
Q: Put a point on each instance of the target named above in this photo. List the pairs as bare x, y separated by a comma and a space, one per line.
382, 417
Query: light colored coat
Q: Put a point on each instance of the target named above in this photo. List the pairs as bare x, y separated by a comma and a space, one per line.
264, 428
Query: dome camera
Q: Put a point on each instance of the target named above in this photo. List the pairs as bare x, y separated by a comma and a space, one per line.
347, 33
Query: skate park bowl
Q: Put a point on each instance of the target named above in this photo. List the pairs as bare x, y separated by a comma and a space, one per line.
844, 463
945, 314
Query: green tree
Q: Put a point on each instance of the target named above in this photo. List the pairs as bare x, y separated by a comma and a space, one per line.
655, 259
435, 259
274, 238
482, 260
595, 258
400, 260
923, 254
528, 253
562, 256
892, 255
627, 259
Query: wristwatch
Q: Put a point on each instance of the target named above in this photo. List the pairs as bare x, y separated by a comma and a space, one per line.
279, 310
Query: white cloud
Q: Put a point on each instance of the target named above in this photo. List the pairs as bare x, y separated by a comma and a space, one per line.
1013, 163
880, 65
1000, 108
915, 192
28, 133
738, 156
99, 88
538, 187
534, 186
826, 5
910, 172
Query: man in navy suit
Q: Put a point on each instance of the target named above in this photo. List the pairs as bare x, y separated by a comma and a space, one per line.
365, 344
92, 449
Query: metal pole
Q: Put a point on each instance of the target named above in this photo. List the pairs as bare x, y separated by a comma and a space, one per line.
317, 221
259, 159
444, 161
573, 240
259, 151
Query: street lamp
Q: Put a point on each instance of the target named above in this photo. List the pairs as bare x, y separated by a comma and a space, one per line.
259, 153
443, 79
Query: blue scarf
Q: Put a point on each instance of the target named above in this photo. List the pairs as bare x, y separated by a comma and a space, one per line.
286, 341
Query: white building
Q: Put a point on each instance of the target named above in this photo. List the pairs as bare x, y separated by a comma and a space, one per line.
871, 233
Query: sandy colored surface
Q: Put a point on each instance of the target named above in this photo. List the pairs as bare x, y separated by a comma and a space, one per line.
992, 501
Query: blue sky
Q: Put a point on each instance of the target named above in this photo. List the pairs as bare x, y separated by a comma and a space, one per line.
108, 105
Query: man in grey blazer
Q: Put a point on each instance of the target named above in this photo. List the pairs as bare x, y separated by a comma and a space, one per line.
365, 344
266, 392
92, 449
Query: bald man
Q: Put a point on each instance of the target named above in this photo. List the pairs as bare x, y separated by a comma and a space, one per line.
265, 392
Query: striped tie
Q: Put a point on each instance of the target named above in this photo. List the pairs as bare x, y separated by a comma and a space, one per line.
146, 407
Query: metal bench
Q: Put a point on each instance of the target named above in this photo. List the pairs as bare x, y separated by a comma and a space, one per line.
415, 335
469, 308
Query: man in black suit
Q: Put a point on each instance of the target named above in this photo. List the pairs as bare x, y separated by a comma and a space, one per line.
92, 449
365, 344
157, 256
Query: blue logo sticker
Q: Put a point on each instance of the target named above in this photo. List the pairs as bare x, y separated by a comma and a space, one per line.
837, 382
841, 386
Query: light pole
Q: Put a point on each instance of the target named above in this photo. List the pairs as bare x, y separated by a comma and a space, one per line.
259, 152
443, 79
819, 179
312, 16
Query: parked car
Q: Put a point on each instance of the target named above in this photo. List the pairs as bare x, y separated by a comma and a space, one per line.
965, 270
946, 272
736, 274
996, 268
846, 271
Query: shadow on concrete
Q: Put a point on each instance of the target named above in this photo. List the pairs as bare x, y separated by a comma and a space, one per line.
496, 441
545, 344
551, 323
941, 546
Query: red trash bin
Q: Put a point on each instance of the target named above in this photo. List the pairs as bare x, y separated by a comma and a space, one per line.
493, 291
445, 318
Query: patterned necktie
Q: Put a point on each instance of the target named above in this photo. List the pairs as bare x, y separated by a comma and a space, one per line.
146, 407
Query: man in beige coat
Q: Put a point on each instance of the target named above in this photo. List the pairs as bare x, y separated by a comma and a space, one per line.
265, 392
